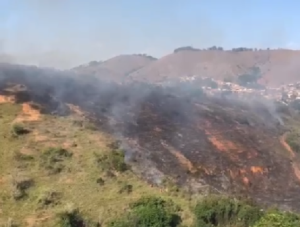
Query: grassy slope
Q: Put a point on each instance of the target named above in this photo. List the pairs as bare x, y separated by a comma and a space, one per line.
76, 184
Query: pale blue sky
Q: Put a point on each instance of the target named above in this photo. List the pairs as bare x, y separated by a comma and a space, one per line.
69, 32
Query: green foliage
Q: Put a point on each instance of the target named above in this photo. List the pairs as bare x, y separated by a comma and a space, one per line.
149, 211
70, 218
114, 160
293, 140
52, 159
222, 211
277, 219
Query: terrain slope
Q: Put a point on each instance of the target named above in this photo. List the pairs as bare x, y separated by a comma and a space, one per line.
276, 66
117, 67
176, 134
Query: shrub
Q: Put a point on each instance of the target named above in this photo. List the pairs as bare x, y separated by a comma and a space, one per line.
52, 159
114, 160
293, 141
73, 218
222, 211
70, 218
277, 219
125, 188
19, 129
149, 211
100, 181
20, 186
49, 198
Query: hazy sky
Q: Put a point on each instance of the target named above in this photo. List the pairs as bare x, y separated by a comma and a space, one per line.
63, 33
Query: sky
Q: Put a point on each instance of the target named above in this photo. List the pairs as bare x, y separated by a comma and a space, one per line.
66, 33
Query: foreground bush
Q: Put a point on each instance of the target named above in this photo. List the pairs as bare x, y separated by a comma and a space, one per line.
149, 211
223, 211
277, 219
73, 218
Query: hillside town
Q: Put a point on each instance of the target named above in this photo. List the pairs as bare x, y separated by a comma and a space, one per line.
284, 93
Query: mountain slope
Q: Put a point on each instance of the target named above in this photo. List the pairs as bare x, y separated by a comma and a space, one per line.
117, 67
277, 66
100, 146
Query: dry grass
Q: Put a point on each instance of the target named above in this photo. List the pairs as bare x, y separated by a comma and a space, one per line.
76, 184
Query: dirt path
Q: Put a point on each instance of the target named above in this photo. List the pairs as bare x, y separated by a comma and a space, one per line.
292, 155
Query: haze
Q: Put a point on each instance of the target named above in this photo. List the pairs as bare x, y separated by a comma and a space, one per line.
65, 33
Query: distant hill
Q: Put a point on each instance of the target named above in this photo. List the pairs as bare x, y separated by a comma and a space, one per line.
276, 66
116, 67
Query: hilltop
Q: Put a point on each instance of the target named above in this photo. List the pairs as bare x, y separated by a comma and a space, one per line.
117, 67
277, 66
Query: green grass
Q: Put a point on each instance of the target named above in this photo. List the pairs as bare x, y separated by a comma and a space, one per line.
76, 184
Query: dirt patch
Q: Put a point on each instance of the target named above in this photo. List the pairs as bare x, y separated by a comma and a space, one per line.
33, 221
26, 151
257, 170
2, 180
76, 109
225, 146
28, 113
6, 99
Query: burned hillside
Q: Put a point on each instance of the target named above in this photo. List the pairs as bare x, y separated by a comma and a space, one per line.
203, 143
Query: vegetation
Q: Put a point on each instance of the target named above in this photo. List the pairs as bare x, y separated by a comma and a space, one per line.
223, 211
112, 161
250, 79
147, 56
19, 129
293, 140
189, 48
52, 159
63, 163
149, 211
278, 219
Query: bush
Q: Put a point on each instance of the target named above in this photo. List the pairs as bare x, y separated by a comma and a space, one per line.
20, 186
277, 219
149, 211
222, 211
52, 159
70, 218
125, 188
114, 160
18, 129
293, 140
49, 198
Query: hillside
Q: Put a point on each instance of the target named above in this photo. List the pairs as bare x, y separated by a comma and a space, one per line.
78, 143
277, 66
117, 67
